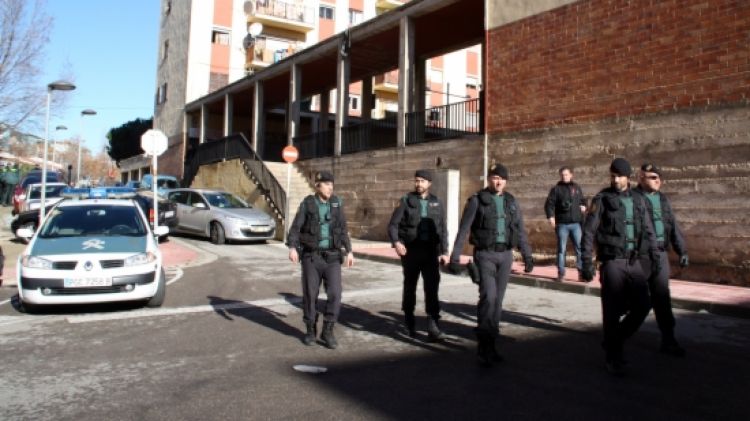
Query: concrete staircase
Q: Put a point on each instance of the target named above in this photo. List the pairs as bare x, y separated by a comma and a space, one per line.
299, 187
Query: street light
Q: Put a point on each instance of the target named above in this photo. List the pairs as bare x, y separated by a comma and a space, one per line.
80, 140
54, 143
59, 85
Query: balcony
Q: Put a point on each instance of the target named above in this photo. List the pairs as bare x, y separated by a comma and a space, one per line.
383, 6
386, 83
292, 16
263, 54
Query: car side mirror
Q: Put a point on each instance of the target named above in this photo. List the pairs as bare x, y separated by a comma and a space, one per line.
160, 230
24, 233
199, 205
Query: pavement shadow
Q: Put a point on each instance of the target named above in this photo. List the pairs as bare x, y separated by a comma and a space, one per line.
469, 312
232, 309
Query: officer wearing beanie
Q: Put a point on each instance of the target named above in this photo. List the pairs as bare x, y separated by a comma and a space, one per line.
493, 218
319, 239
419, 234
668, 234
619, 224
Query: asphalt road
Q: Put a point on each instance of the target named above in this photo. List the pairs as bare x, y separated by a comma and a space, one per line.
225, 342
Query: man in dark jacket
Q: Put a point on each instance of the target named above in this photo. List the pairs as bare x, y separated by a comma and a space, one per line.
668, 234
619, 223
418, 232
493, 218
319, 238
565, 207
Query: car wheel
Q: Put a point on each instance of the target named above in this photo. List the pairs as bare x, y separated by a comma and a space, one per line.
26, 307
161, 291
164, 238
217, 233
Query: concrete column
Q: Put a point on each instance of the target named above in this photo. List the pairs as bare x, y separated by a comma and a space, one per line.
259, 116
368, 99
418, 92
295, 91
203, 124
228, 114
446, 185
342, 94
325, 105
405, 77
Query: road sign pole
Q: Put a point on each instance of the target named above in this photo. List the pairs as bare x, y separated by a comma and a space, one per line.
287, 222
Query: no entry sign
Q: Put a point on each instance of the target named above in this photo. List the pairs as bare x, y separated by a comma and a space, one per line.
290, 154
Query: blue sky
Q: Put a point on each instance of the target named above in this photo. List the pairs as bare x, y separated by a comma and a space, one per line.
110, 48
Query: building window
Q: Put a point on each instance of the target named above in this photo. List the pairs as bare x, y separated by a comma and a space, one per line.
327, 12
354, 102
355, 17
161, 94
167, 8
220, 37
165, 51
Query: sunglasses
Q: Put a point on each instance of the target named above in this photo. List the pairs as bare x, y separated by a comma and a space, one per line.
652, 177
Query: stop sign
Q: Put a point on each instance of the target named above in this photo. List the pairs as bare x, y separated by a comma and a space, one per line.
154, 142
290, 154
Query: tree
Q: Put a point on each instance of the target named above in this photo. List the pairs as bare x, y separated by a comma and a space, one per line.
125, 141
24, 29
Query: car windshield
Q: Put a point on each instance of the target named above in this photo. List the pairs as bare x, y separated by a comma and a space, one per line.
52, 191
225, 200
100, 220
167, 184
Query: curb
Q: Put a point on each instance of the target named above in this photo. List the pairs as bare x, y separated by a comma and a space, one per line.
720, 309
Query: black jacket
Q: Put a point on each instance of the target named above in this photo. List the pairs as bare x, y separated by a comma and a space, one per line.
406, 218
564, 203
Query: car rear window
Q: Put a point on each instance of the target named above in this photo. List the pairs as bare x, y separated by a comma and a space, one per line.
52, 191
100, 220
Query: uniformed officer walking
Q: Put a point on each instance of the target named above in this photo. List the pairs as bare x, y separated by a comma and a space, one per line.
493, 218
668, 234
3, 172
565, 207
319, 239
11, 180
619, 224
418, 232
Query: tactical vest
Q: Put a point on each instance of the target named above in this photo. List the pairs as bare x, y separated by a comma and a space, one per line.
409, 224
611, 237
309, 233
667, 217
484, 228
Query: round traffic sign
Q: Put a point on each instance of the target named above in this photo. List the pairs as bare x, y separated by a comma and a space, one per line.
290, 154
154, 142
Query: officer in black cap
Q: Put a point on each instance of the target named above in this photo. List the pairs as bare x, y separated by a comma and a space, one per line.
619, 223
419, 234
668, 234
493, 218
319, 238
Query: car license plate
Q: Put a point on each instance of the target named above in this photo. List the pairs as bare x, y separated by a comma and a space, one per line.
87, 282
260, 228
168, 214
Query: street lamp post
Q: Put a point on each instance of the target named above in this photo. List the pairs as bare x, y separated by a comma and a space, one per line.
84, 113
60, 85
54, 143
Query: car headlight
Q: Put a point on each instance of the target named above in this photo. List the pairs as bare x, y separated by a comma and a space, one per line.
34, 262
234, 219
140, 259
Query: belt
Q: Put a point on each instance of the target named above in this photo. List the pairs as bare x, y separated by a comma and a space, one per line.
497, 248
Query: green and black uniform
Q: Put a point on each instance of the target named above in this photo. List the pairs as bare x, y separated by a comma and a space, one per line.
419, 223
619, 224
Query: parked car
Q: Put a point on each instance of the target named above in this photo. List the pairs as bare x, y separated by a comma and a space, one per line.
220, 216
167, 211
32, 199
31, 177
91, 250
133, 184
28, 220
164, 183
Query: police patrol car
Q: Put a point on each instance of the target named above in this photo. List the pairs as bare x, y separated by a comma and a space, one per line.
94, 246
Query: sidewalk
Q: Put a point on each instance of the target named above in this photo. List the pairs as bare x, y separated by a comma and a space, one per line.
717, 299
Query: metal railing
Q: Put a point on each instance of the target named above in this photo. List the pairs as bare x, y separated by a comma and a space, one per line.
369, 135
237, 147
315, 145
444, 122
284, 10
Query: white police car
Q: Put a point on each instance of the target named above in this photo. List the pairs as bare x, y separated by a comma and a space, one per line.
94, 246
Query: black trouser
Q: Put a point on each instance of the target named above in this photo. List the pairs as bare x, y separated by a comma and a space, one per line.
624, 292
421, 258
494, 270
317, 267
661, 300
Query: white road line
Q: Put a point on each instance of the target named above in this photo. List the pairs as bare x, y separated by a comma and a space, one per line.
6, 301
177, 276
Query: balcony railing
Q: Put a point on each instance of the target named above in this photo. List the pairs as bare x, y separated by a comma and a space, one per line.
315, 145
296, 12
444, 122
369, 135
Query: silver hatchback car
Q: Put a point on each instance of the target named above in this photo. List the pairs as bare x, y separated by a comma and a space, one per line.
220, 216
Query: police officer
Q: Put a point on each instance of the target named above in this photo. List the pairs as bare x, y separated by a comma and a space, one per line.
319, 239
3, 184
668, 234
12, 177
493, 218
418, 232
564, 208
619, 224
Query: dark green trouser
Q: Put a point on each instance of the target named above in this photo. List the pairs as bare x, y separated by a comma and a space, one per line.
494, 270
315, 269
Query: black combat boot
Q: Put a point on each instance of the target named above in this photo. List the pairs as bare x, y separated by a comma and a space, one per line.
409, 324
433, 331
497, 358
484, 353
312, 333
670, 346
327, 336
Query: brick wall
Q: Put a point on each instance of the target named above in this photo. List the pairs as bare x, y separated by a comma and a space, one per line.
612, 58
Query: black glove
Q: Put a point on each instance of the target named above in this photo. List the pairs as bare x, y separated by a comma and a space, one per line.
528, 263
655, 263
684, 261
588, 271
455, 268
473, 272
